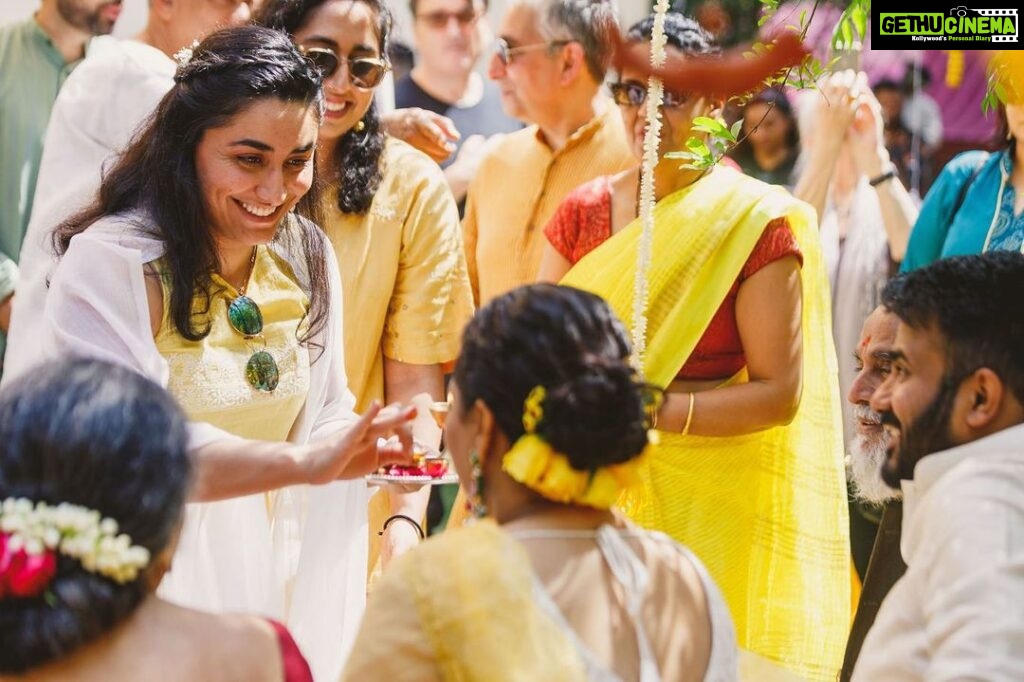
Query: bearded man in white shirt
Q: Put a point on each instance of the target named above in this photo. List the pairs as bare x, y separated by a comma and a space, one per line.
953, 406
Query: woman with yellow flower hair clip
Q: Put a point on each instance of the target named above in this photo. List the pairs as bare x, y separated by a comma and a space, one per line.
548, 425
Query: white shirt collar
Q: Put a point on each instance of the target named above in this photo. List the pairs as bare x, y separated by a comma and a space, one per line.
931, 468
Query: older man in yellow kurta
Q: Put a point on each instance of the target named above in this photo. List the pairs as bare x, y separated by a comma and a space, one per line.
550, 62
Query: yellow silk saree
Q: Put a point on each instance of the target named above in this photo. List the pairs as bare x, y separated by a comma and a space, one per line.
766, 512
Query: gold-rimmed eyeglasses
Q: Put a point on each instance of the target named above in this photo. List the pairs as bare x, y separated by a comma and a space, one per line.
506, 53
365, 73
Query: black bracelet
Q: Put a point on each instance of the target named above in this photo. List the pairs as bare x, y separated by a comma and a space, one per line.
887, 175
403, 517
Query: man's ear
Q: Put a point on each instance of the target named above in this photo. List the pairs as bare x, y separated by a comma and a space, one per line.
983, 394
574, 63
162, 8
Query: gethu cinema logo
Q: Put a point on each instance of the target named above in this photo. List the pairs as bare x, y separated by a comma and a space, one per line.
992, 22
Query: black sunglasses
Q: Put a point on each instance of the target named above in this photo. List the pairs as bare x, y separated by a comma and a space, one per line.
364, 73
634, 94
245, 317
506, 54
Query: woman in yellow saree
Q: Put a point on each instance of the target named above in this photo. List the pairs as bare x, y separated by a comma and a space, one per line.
749, 470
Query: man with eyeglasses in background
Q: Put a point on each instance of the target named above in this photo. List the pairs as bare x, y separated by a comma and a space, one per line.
449, 36
549, 64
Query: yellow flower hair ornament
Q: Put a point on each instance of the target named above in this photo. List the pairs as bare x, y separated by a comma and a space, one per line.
534, 463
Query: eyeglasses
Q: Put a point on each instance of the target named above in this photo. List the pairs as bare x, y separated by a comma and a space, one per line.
245, 317
506, 54
364, 73
439, 20
634, 94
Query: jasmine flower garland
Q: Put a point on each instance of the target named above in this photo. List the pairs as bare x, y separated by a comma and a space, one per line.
652, 142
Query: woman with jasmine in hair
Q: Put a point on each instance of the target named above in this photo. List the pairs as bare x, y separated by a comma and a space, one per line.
548, 423
94, 475
394, 227
749, 469
192, 268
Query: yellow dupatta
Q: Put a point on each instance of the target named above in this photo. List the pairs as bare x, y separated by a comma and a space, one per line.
766, 512
474, 619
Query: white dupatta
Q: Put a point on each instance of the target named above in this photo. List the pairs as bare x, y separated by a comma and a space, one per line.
307, 565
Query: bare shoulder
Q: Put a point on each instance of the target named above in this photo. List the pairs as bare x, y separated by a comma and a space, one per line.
232, 647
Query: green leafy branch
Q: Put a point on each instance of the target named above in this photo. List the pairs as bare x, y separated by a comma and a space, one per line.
701, 153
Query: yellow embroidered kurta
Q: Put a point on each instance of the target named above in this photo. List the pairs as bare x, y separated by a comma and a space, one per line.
404, 281
516, 191
403, 272
207, 377
766, 512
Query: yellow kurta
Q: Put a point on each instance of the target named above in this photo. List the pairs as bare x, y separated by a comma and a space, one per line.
404, 281
517, 189
207, 377
766, 512
403, 273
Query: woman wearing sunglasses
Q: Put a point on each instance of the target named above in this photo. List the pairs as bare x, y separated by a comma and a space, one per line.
192, 268
749, 471
395, 230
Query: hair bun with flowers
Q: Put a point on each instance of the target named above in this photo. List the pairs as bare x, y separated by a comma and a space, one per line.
533, 462
33, 534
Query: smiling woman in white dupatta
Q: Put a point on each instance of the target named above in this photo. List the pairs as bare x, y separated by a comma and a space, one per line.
191, 268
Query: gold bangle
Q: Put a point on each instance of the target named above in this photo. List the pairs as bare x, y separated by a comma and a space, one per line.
689, 415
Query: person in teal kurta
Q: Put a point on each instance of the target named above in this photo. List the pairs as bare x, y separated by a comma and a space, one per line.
36, 55
976, 204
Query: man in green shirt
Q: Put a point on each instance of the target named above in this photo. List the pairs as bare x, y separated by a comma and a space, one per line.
36, 55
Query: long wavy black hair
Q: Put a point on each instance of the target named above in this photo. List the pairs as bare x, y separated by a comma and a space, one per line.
357, 154
229, 71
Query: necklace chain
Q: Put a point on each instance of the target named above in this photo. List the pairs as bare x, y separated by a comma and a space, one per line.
248, 275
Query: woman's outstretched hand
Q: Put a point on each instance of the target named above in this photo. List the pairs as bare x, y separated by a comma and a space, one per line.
379, 437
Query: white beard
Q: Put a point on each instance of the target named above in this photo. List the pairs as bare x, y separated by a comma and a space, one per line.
864, 466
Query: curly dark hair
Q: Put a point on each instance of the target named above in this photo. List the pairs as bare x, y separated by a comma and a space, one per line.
94, 434
228, 71
681, 32
975, 305
357, 154
571, 343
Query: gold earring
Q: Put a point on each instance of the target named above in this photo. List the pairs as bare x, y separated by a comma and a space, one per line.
360, 126
475, 500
